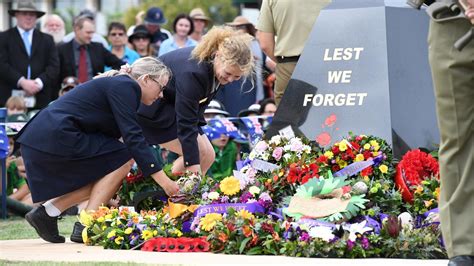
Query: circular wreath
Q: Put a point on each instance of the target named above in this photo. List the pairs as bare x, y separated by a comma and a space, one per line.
414, 167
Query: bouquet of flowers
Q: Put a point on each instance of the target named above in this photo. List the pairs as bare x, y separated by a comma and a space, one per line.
415, 167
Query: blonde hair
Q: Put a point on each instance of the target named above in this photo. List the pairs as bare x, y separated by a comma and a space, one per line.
143, 66
16, 102
233, 46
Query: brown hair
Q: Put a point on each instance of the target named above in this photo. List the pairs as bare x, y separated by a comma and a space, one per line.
233, 46
16, 102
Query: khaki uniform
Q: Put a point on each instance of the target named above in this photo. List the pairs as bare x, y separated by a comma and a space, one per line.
291, 21
453, 76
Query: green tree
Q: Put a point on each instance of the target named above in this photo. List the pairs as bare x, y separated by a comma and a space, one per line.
220, 11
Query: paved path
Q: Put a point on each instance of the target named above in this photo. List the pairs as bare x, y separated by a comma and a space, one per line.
39, 250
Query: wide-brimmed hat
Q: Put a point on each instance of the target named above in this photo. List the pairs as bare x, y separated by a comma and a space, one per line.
216, 107
253, 109
155, 15
239, 21
138, 32
198, 13
69, 83
26, 6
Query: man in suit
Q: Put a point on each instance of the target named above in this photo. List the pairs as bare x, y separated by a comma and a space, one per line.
28, 59
83, 58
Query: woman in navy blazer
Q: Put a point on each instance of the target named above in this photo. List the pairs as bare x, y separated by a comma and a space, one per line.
80, 146
175, 121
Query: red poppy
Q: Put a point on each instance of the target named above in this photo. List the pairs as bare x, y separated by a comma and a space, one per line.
322, 159
367, 171
323, 139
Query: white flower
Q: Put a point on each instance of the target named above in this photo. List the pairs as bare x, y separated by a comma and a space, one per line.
406, 220
323, 232
254, 190
356, 228
213, 195
286, 156
306, 149
265, 156
252, 155
251, 201
275, 140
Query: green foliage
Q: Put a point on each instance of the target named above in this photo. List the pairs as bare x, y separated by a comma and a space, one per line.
220, 11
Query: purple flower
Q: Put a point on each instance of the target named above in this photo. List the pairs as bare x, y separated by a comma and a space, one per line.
245, 197
204, 195
350, 245
305, 237
365, 243
265, 204
224, 199
265, 197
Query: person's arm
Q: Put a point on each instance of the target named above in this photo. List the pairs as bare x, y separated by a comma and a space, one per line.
111, 60
9, 75
267, 43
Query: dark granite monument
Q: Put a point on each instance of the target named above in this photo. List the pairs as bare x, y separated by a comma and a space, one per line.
364, 69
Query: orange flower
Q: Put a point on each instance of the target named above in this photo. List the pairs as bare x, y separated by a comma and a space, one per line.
223, 237
254, 240
135, 219
246, 230
276, 236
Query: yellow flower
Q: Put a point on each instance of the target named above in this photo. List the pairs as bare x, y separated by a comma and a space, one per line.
436, 193
147, 234
245, 214
85, 218
230, 186
383, 168
419, 190
104, 227
329, 154
100, 219
85, 237
375, 144
111, 234
178, 233
342, 163
155, 232
108, 217
209, 221
342, 146
375, 153
428, 203
367, 146
366, 179
359, 157
118, 240
128, 231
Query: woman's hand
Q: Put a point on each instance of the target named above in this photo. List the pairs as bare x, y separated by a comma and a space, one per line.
169, 186
194, 169
470, 10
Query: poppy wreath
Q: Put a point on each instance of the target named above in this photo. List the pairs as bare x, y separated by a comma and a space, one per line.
414, 167
181, 244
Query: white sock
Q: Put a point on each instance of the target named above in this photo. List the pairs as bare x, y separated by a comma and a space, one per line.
51, 210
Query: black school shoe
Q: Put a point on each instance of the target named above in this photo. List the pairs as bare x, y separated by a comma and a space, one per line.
76, 235
45, 225
461, 261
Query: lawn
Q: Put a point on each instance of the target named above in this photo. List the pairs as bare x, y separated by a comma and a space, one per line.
18, 228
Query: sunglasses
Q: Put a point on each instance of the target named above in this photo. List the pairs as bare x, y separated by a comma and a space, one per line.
162, 87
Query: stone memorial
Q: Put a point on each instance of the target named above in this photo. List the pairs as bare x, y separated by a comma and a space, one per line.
365, 70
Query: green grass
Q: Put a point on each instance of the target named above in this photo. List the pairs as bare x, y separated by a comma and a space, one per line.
18, 228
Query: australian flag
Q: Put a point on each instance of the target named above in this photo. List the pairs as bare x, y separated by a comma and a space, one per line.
219, 126
3, 143
254, 128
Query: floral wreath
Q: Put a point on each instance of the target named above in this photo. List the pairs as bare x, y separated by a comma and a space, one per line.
327, 199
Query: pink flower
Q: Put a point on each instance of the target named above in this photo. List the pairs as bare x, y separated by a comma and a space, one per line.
323, 139
261, 146
330, 120
277, 153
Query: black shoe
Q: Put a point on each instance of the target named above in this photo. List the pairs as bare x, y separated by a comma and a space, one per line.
461, 261
45, 225
76, 235
71, 211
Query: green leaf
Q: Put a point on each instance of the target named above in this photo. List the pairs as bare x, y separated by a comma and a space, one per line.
243, 244
254, 251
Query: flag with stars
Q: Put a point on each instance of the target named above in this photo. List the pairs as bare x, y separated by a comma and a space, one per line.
3, 143
254, 128
227, 127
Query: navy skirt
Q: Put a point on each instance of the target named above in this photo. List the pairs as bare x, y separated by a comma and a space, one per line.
50, 176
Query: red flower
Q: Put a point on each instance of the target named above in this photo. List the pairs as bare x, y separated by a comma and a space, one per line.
335, 150
355, 145
367, 154
335, 168
330, 120
322, 159
323, 139
367, 171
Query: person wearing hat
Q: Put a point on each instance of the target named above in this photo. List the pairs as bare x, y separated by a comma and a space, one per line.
200, 21
250, 91
154, 18
29, 59
182, 28
140, 40
68, 84
225, 148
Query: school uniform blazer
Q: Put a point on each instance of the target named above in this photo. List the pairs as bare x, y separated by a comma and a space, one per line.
186, 97
14, 63
98, 54
89, 120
